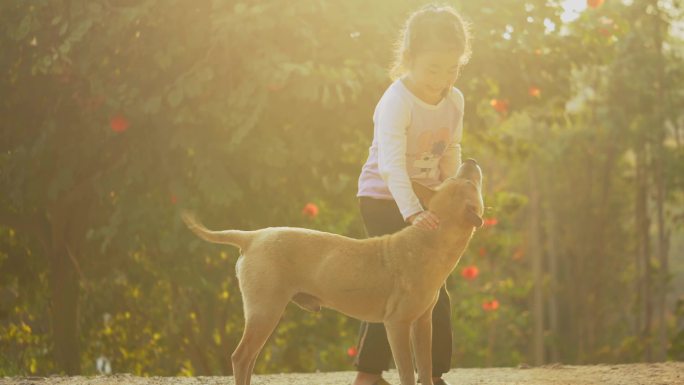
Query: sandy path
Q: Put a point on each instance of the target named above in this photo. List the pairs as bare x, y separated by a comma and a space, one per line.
671, 373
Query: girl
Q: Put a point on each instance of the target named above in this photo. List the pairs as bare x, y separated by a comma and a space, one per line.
418, 126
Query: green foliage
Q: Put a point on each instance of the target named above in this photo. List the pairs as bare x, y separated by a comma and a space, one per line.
119, 113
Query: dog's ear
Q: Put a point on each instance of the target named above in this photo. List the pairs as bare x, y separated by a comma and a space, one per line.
472, 216
424, 193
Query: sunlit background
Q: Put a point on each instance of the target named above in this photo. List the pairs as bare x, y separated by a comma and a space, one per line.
118, 114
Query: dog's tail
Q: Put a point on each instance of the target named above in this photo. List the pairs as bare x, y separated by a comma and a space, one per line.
238, 238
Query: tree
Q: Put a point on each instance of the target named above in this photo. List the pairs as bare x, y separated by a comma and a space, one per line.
119, 113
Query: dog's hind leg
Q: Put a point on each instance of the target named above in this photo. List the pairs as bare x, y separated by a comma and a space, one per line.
400, 342
260, 321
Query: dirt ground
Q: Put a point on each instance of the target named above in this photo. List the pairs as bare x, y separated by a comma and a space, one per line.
670, 373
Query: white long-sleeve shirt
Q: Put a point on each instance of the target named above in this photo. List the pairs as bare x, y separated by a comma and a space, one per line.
413, 140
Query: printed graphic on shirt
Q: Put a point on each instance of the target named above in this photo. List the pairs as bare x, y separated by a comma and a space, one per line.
430, 146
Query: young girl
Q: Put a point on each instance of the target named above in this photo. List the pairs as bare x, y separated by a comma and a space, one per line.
418, 126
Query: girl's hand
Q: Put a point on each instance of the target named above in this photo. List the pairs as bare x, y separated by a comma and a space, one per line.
425, 220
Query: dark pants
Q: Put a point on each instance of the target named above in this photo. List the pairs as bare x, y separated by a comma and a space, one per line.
373, 353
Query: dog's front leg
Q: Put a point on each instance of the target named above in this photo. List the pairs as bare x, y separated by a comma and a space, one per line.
400, 342
421, 334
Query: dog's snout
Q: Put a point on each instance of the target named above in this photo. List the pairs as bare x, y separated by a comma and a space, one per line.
470, 170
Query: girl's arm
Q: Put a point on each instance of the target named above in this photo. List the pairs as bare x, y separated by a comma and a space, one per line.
392, 118
451, 159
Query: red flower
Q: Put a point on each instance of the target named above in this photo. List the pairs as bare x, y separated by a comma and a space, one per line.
275, 87
174, 199
470, 272
605, 32
119, 123
501, 106
489, 222
310, 210
490, 305
534, 91
482, 252
518, 254
594, 3
351, 352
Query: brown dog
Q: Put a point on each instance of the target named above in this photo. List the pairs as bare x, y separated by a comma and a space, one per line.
393, 279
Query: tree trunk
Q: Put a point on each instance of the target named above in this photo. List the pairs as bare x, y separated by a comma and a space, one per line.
537, 272
68, 223
64, 310
553, 296
659, 182
643, 250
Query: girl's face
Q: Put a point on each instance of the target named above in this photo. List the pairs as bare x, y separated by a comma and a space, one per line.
432, 72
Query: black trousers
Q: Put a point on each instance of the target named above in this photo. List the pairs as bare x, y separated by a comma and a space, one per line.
373, 352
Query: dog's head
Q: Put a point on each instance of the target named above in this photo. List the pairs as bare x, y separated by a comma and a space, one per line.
458, 200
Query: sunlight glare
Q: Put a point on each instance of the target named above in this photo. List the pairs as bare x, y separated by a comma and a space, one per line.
550, 26
572, 10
